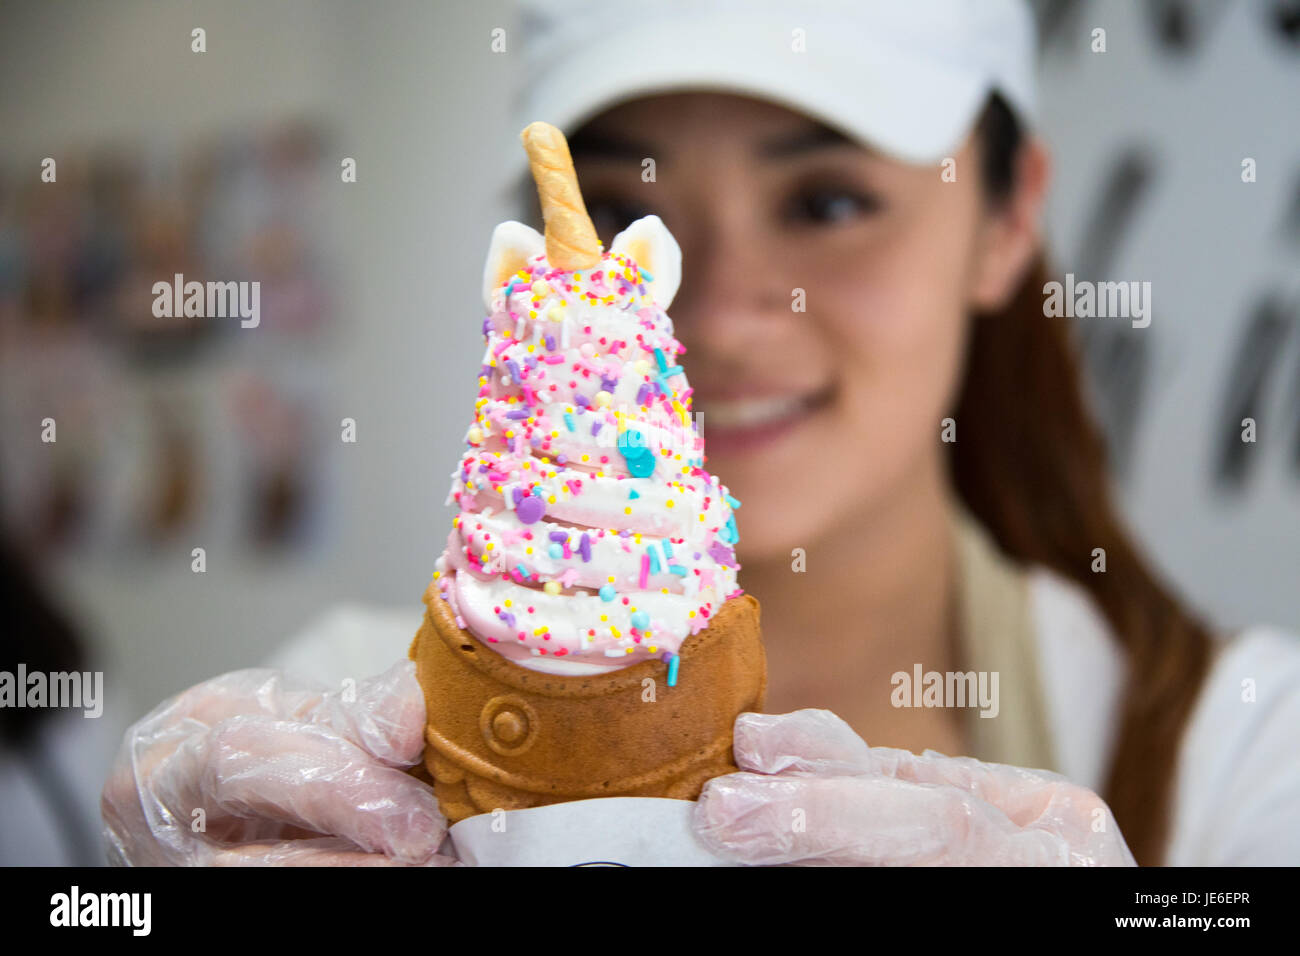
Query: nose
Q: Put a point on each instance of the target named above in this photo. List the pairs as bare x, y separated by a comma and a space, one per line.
733, 303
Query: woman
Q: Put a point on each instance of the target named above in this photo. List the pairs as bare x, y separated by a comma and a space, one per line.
923, 488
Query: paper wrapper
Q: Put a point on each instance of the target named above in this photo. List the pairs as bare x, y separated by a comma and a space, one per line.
618, 831
501, 736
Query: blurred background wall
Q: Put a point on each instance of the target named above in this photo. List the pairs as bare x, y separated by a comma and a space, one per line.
1149, 141
226, 165
185, 434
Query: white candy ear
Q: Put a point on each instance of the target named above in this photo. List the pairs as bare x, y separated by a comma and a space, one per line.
649, 242
513, 244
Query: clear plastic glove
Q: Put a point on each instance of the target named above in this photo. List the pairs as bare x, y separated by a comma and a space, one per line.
251, 768
816, 794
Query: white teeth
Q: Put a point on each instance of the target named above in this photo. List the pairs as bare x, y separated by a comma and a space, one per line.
747, 413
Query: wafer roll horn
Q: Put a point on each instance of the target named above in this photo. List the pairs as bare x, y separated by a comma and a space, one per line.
571, 241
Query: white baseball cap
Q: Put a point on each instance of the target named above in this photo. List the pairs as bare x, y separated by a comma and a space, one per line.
907, 77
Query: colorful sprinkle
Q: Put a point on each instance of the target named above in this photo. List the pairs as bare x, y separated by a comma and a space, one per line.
530, 510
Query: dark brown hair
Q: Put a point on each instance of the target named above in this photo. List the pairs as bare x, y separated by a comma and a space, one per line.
37, 634
1031, 466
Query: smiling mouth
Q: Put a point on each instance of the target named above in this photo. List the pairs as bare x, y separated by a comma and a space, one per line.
744, 424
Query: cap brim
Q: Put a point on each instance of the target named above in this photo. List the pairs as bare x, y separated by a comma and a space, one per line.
913, 110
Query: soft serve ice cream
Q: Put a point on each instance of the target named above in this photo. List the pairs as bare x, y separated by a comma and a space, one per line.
589, 535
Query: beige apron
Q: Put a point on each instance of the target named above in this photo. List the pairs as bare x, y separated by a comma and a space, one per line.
996, 633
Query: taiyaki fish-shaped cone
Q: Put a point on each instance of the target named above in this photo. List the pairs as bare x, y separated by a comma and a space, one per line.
502, 736
585, 634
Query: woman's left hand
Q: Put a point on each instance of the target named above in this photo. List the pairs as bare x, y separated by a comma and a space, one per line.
812, 792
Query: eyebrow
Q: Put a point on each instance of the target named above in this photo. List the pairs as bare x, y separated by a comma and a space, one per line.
593, 144
803, 141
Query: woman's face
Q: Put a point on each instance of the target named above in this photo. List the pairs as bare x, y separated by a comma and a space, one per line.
824, 299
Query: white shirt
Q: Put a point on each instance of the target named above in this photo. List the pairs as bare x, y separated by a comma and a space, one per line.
1237, 793
49, 796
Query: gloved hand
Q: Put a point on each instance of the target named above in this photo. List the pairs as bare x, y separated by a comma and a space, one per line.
284, 775
817, 794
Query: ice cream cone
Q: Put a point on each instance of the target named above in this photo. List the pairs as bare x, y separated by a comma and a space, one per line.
502, 736
586, 634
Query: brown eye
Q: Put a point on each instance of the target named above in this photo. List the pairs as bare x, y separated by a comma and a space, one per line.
611, 216
830, 205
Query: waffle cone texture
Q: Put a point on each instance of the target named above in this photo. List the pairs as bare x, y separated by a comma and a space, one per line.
499, 735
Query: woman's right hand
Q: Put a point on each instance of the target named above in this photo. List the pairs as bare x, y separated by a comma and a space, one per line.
251, 769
